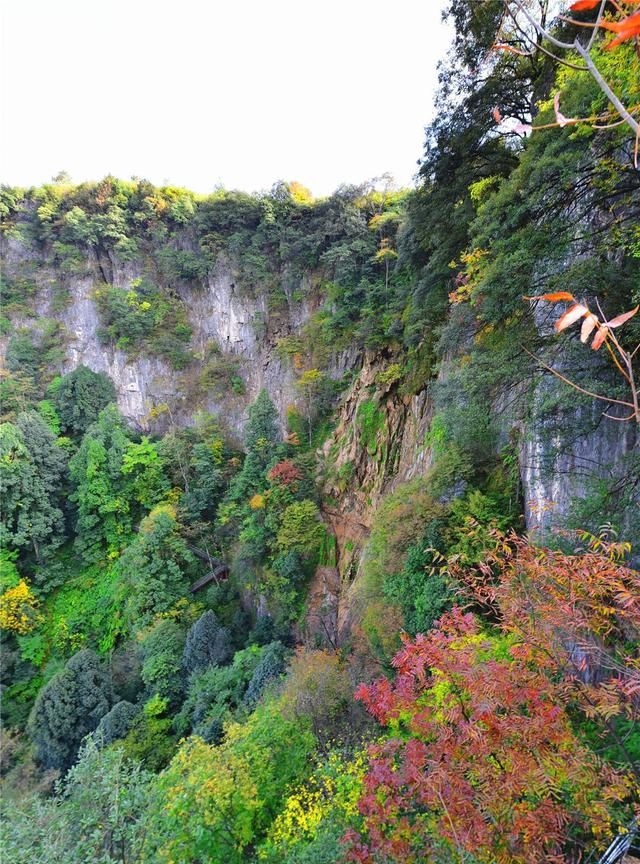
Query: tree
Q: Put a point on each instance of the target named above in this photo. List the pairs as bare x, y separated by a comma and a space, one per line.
271, 666
206, 482
263, 423
32, 468
208, 644
301, 529
261, 440
160, 649
144, 468
68, 708
104, 520
310, 385
521, 29
100, 812
216, 802
19, 609
152, 570
481, 758
115, 723
79, 398
216, 692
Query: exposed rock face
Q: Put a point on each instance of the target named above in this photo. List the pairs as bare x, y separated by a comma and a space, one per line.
218, 311
381, 437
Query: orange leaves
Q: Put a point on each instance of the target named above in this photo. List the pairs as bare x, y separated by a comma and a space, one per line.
620, 319
584, 5
627, 28
599, 338
556, 297
581, 311
588, 326
574, 313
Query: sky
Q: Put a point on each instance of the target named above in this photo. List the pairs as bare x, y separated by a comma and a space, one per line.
207, 93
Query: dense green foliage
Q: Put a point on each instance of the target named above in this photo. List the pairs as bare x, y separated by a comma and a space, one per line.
217, 723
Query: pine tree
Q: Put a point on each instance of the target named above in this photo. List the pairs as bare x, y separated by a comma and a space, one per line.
208, 644
69, 708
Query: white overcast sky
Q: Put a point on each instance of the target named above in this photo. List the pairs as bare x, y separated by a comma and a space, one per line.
200, 93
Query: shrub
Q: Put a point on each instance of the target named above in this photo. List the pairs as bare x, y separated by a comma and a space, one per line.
115, 723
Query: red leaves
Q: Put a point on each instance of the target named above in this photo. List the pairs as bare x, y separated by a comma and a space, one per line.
485, 761
627, 28
285, 473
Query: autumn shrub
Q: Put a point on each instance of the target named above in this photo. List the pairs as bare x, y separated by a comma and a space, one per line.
217, 802
480, 760
309, 827
319, 690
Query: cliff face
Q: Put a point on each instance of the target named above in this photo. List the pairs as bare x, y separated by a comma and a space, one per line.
380, 438
219, 313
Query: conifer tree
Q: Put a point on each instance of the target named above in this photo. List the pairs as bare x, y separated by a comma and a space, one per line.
208, 644
69, 708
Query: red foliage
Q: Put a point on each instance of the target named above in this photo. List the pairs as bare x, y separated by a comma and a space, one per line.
285, 473
579, 614
482, 758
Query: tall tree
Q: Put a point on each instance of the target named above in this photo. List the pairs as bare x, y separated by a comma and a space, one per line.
104, 521
79, 398
32, 469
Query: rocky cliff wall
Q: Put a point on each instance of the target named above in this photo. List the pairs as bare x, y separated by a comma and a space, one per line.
381, 437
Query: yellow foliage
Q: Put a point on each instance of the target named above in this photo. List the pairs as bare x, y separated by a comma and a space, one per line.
19, 609
257, 502
332, 793
163, 507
